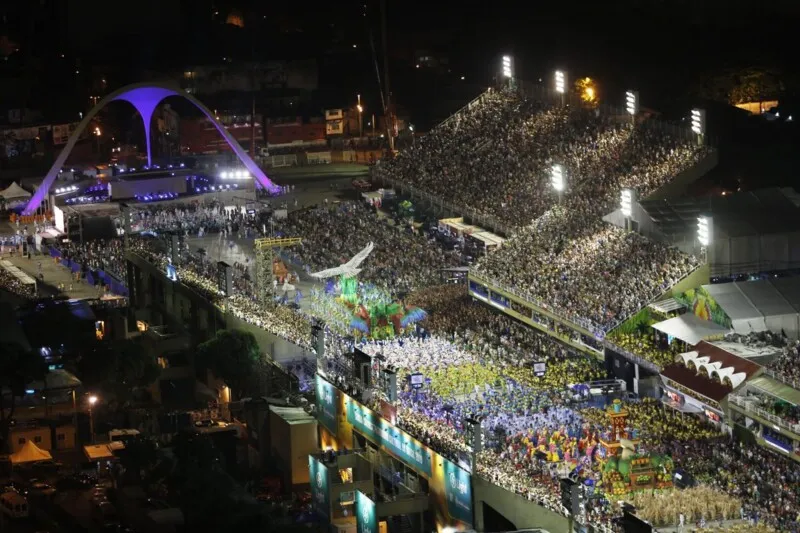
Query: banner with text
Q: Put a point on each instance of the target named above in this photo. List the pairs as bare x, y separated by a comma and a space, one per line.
320, 486
458, 491
395, 441
366, 517
326, 404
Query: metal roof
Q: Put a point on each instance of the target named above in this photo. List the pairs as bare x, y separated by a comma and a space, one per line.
761, 212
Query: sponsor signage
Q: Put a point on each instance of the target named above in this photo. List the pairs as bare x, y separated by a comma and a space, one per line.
458, 491
320, 485
326, 405
366, 517
395, 441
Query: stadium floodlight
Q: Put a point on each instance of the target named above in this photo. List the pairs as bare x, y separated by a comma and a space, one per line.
561, 82
626, 202
557, 178
705, 230
699, 121
632, 102
224, 175
508, 71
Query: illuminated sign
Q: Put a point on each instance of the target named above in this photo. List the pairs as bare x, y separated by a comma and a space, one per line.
366, 517
395, 441
326, 405
320, 486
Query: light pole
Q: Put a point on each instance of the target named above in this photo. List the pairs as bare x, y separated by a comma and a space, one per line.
561, 85
627, 197
699, 124
92, 400
360, 122
508, 69
557, 179
705, 234
632, 104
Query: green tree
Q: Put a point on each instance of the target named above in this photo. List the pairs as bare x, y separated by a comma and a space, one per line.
18, 367
232, 355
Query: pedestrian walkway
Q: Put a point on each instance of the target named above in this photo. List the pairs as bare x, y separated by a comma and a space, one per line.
52, 278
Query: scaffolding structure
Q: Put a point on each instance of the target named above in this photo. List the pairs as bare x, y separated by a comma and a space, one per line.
265, 265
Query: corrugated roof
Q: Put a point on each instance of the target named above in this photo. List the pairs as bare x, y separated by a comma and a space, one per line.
776, 388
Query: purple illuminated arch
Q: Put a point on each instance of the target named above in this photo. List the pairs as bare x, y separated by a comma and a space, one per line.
145, 98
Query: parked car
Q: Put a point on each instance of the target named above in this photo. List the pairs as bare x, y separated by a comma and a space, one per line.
39, 488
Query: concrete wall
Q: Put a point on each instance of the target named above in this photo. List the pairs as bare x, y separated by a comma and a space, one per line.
521, 512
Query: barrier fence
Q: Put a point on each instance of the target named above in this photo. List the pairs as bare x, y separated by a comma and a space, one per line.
93, 277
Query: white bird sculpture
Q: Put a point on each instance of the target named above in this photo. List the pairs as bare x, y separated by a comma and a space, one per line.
348, 269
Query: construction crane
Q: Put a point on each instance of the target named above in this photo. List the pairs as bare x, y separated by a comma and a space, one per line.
265, 267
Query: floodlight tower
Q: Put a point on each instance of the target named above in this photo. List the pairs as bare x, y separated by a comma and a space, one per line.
557, 179
561, 85
508, 70
632, 104
699, 125
705, 235
627, 199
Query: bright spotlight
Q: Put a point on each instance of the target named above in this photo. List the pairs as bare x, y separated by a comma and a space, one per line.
507, 68
626, 202
632, 102
699, 121
557, 177
561, 82
705, 229
224, 175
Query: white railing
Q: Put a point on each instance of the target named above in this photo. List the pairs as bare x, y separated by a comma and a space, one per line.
783, 378
748, 405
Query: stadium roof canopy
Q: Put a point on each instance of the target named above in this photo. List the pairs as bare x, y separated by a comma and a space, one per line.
772, 304
755, 231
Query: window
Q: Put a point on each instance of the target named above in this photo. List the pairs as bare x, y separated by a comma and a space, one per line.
21, 440
60, 436
37, 439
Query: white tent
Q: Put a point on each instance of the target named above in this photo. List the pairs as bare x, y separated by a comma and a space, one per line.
30, 453
691, 329
745, 318
15, 192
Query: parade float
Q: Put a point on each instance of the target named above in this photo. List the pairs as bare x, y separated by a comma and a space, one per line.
360, 309
624, 464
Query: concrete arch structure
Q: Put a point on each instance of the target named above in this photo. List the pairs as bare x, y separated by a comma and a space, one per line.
145, 97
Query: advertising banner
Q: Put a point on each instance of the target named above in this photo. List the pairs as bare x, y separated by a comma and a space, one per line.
320, 486
458, 491
395, 441
326, 405
366, 517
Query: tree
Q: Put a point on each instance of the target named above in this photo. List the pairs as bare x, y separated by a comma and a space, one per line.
121, 368
139, 455
232, 356
18, 367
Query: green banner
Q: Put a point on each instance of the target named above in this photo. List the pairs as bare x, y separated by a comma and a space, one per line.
366, 517
458, 490
393, 440
320, 486
327, 405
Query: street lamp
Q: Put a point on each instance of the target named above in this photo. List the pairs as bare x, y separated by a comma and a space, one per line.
92, 400
557, 179
699, 124
632, 103
561, 84
413, 135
